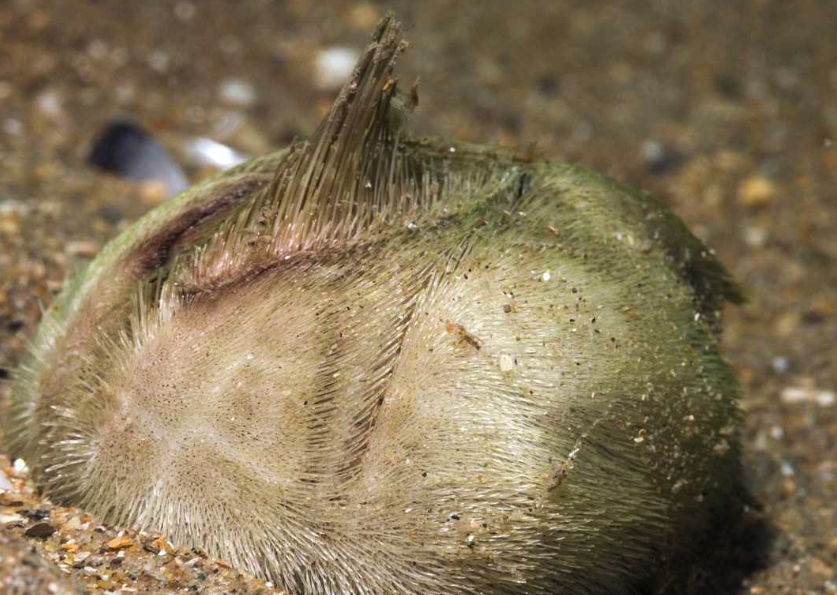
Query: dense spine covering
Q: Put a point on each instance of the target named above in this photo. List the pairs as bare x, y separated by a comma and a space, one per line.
374, 364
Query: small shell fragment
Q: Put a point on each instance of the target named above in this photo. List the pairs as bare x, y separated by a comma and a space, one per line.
119, 543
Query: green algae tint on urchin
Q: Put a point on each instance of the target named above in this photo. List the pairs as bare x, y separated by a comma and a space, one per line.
371, 364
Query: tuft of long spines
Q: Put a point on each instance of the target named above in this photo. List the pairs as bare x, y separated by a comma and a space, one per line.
340, 178
358, 176
333, 187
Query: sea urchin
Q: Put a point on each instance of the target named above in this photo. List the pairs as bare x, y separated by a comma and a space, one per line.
371, 364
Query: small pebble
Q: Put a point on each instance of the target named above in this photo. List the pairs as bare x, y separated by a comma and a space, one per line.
825, 398
97, 49
83, 248
11, 519
38, 514
755, 236
125, 149
73, 524
657, 158
651, 150
207, 152
787, 469
152, 192
801, 394
794, 394
12, 127
119, 543
50, 103
756, 191
780, 364
237, 92
40, 530
333, 66
159, 60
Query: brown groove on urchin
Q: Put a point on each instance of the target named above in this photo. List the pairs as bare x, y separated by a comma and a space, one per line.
150, 253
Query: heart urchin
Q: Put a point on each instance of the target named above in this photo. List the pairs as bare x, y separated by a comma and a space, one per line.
372, 364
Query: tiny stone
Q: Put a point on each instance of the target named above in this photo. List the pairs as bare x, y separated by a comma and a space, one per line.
11, 519
38, 514
73, 524
801, 394
652, 152
97, 49
119, 543
40, 530
9, 227
506, 362
825, 398
756, 191
12, 127
159, 60
238, 92
658, 159
152, 192
793, 394
49, 102
755, 236
333, 66
780, 364
83, 248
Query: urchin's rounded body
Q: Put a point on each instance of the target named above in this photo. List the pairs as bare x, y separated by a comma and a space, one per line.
376, 365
